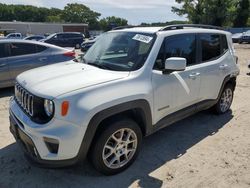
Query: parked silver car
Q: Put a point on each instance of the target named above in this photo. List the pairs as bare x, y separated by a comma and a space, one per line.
17, 56
245, 37
14, 36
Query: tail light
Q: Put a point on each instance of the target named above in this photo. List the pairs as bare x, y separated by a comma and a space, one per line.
70, 54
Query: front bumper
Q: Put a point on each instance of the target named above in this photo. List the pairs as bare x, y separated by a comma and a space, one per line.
31, 138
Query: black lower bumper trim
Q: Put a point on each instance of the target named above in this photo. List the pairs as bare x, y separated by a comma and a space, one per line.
30, 150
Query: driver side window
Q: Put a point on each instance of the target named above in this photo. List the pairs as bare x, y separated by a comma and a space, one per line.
183, 45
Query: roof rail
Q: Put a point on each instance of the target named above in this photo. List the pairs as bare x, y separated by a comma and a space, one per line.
181, 26
123, 27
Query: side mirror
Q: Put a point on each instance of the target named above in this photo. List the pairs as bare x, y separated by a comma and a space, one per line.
175, 64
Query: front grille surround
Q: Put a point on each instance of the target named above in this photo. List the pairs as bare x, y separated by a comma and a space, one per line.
25, 99
31, 105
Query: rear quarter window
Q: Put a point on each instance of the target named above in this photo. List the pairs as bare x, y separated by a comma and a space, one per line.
224, 44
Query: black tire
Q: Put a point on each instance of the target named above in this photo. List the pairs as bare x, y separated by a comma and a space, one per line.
97, 149
218, 109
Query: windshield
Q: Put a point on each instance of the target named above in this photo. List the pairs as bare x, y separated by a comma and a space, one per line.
120, 51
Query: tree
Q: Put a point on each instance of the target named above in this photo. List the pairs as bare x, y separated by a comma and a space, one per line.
73, 13
54, 19
79, 13
242, 13
165, 23
214, 12
55, 16
25, 13
111, 22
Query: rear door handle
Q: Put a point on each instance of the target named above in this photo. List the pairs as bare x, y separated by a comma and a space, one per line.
194, 75
2, 65
223, 67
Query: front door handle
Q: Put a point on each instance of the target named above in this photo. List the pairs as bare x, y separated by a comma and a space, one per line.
2, 65
194, 75
223, 67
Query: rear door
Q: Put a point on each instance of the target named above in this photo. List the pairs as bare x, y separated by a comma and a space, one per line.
63, 40
78, 39
57, 40
5, 80
25, 56
213, 64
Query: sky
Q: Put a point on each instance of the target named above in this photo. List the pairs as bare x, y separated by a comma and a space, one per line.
135, 11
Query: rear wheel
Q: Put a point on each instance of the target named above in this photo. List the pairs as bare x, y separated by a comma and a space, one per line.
225, 101
117, 147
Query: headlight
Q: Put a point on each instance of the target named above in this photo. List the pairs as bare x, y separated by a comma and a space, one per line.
48, 107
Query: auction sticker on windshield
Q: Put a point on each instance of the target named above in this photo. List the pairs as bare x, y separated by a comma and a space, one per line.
142, 38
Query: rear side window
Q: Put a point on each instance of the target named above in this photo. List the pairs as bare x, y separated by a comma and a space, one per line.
177, 46
17, 49
73, 35
211, 48
67, 36
40, 48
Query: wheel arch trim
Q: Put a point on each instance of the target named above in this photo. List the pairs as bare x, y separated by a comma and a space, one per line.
96, 120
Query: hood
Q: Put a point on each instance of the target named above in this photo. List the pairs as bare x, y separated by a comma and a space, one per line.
54, 80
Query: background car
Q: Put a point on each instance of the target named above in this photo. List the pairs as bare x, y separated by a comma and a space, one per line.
35, 37
86, 45
18, 56
65, 39
236, 37
14, 36
245, 37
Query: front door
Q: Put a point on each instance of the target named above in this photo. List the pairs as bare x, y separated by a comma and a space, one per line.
179, 89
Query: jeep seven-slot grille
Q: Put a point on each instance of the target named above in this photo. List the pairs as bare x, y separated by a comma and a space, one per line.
24, 99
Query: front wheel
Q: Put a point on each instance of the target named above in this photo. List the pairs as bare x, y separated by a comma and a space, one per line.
225, 101
117, 147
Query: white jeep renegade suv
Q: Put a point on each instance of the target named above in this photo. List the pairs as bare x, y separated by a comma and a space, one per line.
131, 83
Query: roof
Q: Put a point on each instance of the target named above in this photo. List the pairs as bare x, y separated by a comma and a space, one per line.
178, 27
141, 29
29, 42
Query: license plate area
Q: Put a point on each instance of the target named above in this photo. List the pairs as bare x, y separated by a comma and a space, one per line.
22, 139
13, 128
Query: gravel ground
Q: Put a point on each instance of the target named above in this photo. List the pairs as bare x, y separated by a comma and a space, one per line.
204, 150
